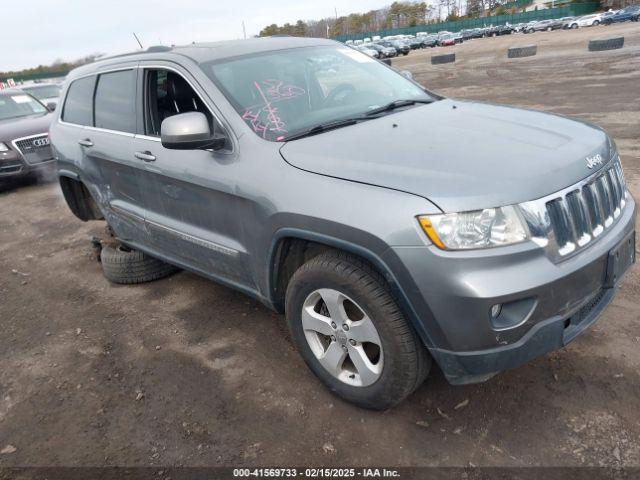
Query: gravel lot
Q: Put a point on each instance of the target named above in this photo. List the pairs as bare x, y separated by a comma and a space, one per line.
186, 372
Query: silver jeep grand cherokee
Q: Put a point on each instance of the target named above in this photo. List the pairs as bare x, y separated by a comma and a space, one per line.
392, 226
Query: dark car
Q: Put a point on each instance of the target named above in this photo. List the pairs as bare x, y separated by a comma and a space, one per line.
429, 41
469, 33
414, 43
401, 47
631, 13
499, 30
383, 52
24, 134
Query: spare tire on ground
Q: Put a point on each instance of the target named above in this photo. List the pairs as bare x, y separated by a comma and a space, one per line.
446, 58
123, 265
523, 51
611, 43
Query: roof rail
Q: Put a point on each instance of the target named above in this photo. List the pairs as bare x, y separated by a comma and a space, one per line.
158, 48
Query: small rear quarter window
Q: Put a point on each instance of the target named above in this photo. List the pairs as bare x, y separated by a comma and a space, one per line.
78, 105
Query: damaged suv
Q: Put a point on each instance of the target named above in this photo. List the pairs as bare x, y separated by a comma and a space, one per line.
394, 228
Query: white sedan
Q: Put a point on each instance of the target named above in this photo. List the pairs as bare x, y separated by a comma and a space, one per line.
590, 20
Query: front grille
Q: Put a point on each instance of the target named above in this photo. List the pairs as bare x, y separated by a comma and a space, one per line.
580, 215
34, 149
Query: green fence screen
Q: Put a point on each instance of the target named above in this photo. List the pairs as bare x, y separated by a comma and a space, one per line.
571, 10
34, 76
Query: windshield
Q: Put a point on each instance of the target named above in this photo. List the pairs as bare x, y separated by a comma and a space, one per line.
49, 91
19, 105
285, 92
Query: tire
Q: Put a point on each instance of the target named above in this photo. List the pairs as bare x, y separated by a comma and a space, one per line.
125, 266
596, 23
403, 361
600, 44
573, 26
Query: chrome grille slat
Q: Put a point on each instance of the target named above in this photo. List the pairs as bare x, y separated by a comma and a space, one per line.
616, 190
560, 221
570, 220
31, 151
577, 211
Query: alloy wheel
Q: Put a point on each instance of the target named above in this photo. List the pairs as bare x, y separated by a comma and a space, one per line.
342, 337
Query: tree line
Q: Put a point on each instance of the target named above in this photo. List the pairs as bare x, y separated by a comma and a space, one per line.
396, 15
58, 66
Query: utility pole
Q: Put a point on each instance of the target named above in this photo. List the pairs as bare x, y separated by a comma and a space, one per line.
244, 30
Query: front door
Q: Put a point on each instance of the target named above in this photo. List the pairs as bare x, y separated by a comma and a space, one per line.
189, 195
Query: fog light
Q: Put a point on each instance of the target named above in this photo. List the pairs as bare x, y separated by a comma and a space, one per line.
511, 314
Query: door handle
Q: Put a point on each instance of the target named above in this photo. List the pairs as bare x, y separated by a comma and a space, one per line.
86, 142
145, 156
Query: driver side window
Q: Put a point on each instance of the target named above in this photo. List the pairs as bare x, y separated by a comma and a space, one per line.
167, 93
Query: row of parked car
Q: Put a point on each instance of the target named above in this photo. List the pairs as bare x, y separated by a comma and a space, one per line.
395, 45
631, 13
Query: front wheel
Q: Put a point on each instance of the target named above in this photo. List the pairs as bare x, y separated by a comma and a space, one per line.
352, 334
575, 25
596, 23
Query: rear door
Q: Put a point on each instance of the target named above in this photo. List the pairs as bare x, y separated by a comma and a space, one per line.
192, 209
109, 147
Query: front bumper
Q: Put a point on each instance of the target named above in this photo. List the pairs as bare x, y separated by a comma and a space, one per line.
13, 165
454, 292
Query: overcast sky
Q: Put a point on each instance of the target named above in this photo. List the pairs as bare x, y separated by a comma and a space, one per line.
41, 31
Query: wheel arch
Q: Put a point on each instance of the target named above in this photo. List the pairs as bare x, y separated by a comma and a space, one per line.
78, 197
291, 247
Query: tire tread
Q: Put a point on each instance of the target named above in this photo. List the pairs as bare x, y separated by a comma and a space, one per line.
132, 267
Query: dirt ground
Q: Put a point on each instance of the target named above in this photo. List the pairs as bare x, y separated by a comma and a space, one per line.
186, 372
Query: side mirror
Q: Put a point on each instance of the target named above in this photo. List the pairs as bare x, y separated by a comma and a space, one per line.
406, 74
189, 131
51, 106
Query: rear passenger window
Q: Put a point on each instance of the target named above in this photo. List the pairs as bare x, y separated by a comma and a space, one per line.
78, 104
115, 101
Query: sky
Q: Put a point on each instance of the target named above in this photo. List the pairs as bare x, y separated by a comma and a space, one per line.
47, 30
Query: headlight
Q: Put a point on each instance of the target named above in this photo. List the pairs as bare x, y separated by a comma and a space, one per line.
491, 227
3, 147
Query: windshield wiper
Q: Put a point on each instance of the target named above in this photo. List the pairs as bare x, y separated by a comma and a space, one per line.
369, 115
398, 104
324, 127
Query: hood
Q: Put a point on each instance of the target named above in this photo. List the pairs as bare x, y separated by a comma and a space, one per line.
460, 155
13, 128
